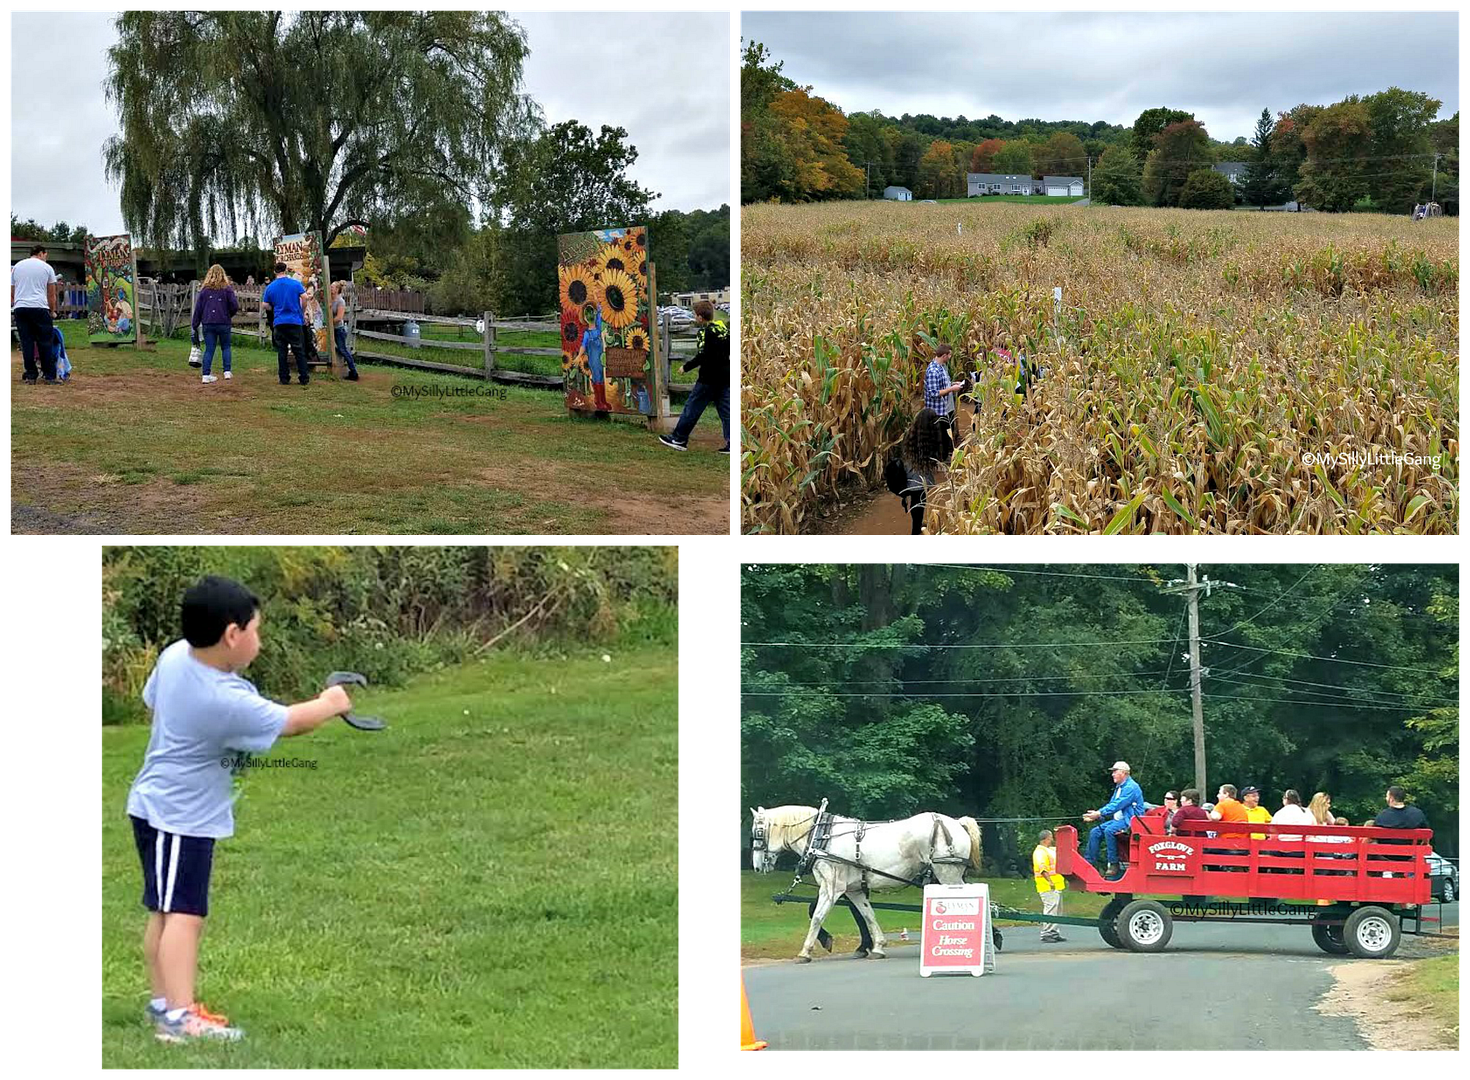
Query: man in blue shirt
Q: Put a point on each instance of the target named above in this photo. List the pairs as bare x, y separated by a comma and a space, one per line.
283, 298
1115, 816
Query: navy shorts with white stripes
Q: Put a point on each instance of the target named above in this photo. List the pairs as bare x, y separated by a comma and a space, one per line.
175, 869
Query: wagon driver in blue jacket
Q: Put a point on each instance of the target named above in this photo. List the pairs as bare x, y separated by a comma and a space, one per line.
1115, 816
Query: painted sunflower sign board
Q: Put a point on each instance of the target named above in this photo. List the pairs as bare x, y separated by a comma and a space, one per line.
607, 349
112, 294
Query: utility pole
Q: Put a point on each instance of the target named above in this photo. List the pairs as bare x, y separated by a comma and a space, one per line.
1089, 198
1434, 178
1190, 588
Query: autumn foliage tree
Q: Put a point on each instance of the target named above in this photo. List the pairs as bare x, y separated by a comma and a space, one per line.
811, 130
983, 158
939, 173
1180, 149
1061, 155
1337, 140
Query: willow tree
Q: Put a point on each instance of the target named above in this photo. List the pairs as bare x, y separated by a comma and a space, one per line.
315, 120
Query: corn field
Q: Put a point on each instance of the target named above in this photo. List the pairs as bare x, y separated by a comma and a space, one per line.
1204, 371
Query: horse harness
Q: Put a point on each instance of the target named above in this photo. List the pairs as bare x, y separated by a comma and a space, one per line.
821, 838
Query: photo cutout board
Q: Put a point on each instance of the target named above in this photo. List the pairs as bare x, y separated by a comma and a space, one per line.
606, 318
112, 294
304, 255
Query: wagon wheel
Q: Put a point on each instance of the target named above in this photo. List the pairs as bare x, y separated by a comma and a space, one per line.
1107, 926
1145, 926
1329, 938
1372, 932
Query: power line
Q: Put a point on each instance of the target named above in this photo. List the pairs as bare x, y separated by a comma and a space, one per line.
1273, 603
1040, 573
921, 645
1367, 696
1007, 678
1328, 659
1323, 704
999, 694
1326, 686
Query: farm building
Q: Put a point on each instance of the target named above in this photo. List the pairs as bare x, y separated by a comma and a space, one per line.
899, 194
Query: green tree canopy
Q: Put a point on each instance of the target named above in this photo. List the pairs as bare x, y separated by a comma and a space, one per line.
1061, 155
1337, 140
1206, 189
1179, 150
1400, 148
1150, 123
1117, 180
308, 121
1014, 158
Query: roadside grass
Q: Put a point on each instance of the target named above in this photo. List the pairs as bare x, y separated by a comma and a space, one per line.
1432, 986
775, 931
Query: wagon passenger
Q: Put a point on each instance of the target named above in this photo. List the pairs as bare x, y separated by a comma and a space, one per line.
1399, 816
1254, 811
1228, 808
1116, 815
1167, 811
1291, 813
1191, 816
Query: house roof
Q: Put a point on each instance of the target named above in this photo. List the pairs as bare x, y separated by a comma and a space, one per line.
1061, 180
997, 178
895, 187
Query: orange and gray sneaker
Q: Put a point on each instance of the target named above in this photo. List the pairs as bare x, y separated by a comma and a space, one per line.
196, 1022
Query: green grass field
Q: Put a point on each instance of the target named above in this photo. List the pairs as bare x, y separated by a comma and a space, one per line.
136, 444
491, 882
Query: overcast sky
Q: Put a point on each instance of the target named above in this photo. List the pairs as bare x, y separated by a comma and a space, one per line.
1096, 66
675, 106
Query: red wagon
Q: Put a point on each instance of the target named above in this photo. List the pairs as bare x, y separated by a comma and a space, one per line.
1357, 888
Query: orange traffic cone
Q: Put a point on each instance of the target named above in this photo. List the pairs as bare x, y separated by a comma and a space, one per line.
748, 1041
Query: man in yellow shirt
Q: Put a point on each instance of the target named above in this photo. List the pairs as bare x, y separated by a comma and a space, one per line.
1254, 811
1049, 883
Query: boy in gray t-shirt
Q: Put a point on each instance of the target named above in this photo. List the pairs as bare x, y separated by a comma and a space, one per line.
204, 715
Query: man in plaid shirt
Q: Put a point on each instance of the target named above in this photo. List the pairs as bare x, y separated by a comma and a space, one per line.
939, 393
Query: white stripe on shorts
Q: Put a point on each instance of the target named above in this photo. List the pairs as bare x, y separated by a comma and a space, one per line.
157, 868
173, 872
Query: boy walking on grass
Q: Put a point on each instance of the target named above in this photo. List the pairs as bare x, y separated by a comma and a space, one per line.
204, 715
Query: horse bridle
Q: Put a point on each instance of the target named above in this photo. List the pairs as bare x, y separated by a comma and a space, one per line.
760, 832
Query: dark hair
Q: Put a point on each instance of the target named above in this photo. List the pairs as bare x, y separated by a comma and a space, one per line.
1291, 795
213, 603
1192, 794
1396, 793
920, 446
36, 249
704, 309
942, 350
281, 268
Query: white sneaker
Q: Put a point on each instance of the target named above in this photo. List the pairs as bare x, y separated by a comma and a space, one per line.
211, 378
227, 374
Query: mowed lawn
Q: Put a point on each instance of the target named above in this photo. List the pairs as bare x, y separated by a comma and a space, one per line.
491, 882
135, 443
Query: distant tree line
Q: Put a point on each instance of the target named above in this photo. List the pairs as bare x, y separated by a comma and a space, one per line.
1375, 152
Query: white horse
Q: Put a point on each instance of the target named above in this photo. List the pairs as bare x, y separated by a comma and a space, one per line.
879, 855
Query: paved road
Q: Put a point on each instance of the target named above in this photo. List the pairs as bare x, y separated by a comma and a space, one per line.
1202, 993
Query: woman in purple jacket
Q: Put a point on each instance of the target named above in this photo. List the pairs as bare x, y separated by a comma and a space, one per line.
213, 308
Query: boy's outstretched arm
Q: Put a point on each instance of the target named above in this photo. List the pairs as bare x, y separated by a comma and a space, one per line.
307, 716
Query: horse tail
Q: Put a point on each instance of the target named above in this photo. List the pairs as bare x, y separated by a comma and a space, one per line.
973, 828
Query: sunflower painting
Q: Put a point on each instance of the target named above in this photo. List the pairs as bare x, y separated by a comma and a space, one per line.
606, 310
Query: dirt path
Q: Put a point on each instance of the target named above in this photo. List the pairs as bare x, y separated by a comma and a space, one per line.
875, 511
1386, 1024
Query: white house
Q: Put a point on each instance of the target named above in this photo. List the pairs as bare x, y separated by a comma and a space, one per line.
899, 194
1000, 184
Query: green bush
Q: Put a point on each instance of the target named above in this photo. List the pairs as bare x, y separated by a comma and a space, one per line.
1206, 189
